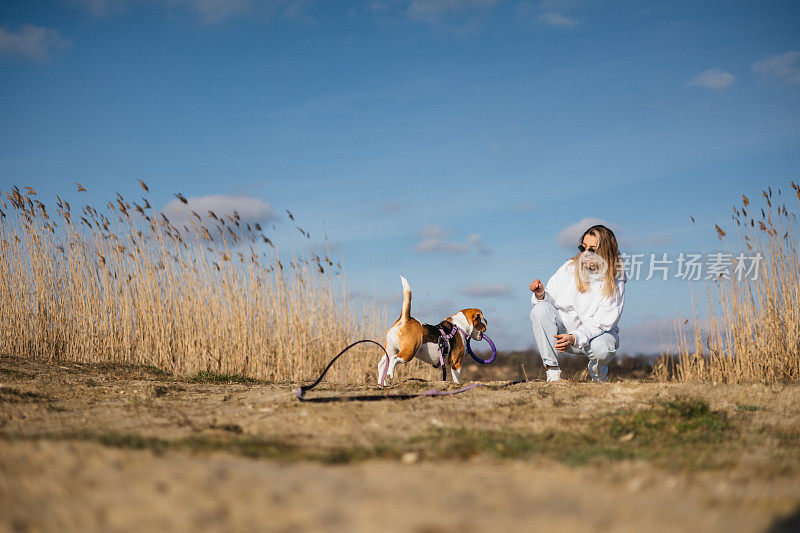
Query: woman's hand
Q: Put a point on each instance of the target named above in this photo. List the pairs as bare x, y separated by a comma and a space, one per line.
564, 341
537, 288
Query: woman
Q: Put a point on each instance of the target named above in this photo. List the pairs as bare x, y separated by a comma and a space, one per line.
579, 309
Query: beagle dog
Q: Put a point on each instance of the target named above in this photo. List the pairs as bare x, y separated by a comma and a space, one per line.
408, 338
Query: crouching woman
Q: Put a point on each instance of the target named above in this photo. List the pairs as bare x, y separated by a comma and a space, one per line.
577, 312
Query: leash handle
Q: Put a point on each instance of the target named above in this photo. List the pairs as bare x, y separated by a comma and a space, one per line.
302, 389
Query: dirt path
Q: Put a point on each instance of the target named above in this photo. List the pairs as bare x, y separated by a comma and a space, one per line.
117, 448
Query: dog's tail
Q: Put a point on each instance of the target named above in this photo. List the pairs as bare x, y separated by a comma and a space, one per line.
406, 313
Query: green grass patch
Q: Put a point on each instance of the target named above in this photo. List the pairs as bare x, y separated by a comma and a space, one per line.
246, 446
13, 395
205, 376
15, 374
750, 408
676, 434
155, 370
789, 438
162, 390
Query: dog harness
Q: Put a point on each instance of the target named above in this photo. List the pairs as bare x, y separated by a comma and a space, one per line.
444, 348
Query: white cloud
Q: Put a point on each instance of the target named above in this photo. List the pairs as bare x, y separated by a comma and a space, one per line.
102, 8
391, 302
31, 42
526, 207
297, 11
656, 337
646, 240
378, 6
479, 290
211, 11
476, 241
653, 337
207, 10
391, 207
250, 209
568, 237
437, 240
714, 78
784, 68
434, 311
435, 10
550, 12
554, 18
434, 240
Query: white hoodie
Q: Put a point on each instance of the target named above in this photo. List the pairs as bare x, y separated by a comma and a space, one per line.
585, 315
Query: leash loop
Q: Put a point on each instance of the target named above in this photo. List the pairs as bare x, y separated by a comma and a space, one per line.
302, 389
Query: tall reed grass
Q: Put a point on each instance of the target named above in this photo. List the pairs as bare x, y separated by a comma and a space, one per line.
126, 285
753, 330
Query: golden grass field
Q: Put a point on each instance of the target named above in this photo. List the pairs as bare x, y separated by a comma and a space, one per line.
147, 368
754, 329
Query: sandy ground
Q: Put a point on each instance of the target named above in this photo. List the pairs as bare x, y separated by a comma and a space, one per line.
111, 448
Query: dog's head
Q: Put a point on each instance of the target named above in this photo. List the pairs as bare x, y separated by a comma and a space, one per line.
471, 321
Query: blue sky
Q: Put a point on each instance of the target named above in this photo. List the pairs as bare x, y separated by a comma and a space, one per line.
455, 142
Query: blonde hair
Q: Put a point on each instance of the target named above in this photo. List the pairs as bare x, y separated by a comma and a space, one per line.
607, 249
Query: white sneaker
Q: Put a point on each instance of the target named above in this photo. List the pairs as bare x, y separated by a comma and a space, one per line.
553, 375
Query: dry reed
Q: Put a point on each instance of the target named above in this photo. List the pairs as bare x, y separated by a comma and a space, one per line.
127, 286
753, 332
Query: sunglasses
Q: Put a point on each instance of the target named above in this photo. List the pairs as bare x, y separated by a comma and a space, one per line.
582, 248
